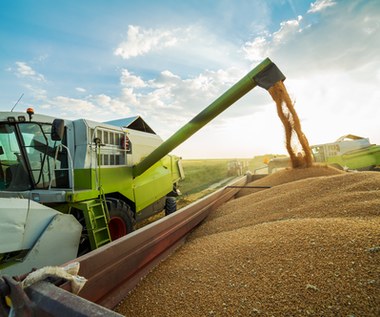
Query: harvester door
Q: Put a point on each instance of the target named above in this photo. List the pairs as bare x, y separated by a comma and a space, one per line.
14, 169
41, 152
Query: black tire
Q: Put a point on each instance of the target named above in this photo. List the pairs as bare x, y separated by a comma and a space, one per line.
84, 242
170, 205
121, 218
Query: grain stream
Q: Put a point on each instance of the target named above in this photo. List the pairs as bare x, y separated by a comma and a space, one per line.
296, 142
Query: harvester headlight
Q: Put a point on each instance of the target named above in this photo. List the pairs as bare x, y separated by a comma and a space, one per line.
11, 119
21, 119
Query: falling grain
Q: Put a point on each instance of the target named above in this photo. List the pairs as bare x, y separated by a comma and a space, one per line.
293, 132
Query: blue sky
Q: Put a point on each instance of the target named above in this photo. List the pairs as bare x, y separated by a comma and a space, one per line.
167, 60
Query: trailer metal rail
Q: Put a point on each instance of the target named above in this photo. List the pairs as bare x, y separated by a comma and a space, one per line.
113, 270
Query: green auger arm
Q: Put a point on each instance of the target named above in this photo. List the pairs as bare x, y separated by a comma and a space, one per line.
265, 75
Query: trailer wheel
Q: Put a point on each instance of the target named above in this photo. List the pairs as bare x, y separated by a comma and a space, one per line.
121, 218
170, 205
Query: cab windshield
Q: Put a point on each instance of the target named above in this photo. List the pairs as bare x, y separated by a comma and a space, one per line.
29, 158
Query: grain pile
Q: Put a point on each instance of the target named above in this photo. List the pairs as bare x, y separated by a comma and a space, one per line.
303, 247
284, 176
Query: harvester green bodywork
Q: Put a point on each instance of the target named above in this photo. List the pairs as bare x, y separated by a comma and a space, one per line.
349, 152
364, 159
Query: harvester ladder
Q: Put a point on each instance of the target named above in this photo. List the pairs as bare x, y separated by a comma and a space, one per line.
95, 213
98, 232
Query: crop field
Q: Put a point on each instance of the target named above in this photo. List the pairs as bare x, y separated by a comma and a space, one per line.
202, 176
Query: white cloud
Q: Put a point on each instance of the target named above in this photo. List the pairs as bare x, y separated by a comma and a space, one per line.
45, 106
263, 45
26, 71
73, 105
191, 46
320, 5
129, 80
42, 58
106, 103
80, 89
257, 49
287, 29
141, 41
164, 79
37, 93
92, 107
128, 96
345, 38
169, 101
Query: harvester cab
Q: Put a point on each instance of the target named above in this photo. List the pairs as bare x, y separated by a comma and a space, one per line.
76, 185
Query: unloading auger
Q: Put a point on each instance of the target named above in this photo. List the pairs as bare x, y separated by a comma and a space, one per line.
265, 75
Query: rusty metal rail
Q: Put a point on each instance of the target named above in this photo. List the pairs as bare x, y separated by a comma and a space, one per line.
115, 269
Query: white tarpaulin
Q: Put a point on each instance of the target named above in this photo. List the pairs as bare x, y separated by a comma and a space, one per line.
22, 221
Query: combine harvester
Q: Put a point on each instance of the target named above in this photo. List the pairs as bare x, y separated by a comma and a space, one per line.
69, 187
73, 186
349, 152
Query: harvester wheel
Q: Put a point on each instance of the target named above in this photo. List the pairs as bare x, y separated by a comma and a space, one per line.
121, 218
84, 242
170, 205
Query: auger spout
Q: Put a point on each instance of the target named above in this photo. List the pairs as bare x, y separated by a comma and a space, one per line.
265, 75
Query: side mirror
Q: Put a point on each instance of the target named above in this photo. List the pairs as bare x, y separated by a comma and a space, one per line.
57, 129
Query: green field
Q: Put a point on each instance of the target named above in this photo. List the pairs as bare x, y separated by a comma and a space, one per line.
206, 175
203, 176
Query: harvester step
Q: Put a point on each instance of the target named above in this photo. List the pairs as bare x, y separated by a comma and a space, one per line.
103, 242
99, 229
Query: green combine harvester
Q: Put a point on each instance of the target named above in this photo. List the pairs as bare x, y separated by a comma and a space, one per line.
71, 186
349, 152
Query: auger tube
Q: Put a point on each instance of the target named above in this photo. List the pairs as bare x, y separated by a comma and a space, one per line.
265, 75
